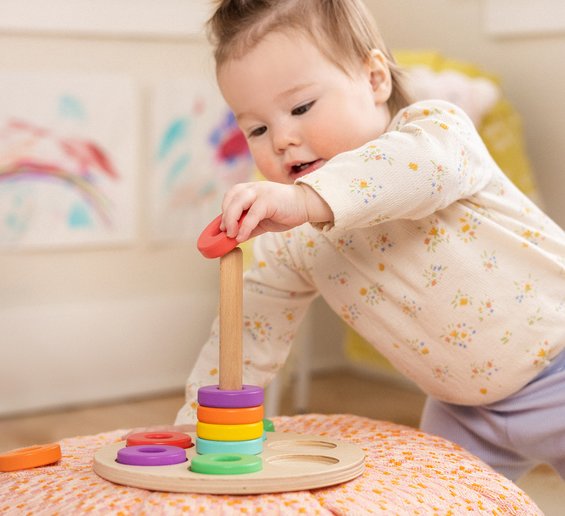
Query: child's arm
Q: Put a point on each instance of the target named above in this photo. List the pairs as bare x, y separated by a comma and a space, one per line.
431, 157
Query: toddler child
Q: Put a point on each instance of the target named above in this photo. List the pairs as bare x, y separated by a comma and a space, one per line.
398, 217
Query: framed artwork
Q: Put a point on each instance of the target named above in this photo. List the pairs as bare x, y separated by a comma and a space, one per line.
197, 153
68, 150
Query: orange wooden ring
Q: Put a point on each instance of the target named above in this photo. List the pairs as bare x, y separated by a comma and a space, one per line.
31, 457
229, 416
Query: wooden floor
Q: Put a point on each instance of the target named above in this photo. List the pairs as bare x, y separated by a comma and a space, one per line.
336, 392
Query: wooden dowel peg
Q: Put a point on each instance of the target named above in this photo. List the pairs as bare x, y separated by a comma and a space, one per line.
231, 320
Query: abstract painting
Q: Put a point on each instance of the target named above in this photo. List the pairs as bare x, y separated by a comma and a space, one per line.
68, 149
198, 152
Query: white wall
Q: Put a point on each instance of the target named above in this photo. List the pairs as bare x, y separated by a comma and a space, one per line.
531, 67
80, 325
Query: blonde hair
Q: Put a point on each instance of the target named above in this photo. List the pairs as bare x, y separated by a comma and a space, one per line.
343, 30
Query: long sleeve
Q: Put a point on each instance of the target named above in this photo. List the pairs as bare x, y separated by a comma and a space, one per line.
430, 157
276, 296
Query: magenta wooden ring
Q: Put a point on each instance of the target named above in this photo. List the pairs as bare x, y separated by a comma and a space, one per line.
151, 455
247, 396
213, 243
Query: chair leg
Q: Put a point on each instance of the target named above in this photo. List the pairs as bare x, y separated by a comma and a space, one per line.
303, 368
273, 395
300, 365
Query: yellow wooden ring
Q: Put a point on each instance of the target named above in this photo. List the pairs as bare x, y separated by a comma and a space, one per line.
229, 432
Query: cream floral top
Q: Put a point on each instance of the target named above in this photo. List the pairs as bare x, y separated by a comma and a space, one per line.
434, 257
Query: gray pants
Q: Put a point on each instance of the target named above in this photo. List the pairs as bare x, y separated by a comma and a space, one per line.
512, 435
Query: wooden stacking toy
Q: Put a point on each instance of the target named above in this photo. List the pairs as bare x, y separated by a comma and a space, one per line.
230, 414
233, 454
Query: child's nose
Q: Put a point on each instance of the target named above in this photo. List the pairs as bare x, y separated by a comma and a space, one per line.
285, 137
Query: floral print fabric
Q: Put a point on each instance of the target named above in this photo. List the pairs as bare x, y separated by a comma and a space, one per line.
407, 472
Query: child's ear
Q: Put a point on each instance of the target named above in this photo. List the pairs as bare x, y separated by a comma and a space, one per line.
379, 76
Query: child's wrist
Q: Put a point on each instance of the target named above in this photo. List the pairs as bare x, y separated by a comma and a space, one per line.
317, 209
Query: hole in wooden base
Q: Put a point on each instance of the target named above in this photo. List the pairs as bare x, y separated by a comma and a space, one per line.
300, 445
301, 460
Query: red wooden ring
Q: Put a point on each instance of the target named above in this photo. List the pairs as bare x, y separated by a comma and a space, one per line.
177, 439
213, 243
230, 416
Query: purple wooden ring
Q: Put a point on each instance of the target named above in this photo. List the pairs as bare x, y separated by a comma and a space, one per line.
151, 455
247, 396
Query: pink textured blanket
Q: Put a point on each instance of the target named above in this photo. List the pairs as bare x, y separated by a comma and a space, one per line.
407, 472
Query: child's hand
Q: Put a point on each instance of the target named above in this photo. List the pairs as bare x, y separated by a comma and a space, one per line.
270, 207
163, 428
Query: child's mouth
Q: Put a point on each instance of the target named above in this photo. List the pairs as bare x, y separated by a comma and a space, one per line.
301, 169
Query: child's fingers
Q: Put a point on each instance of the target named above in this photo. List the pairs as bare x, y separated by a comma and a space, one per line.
230, 213
236, 201
231, 218
227, 203
255, 214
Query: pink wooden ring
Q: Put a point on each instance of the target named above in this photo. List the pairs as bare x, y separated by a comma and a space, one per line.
247, 396
170, 438
213, 243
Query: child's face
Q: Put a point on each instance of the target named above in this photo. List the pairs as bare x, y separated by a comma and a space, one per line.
297, 109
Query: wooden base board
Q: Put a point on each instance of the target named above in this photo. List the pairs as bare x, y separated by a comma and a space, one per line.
291, 462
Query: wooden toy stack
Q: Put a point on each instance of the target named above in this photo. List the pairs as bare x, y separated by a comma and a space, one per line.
230, 415
230, 421
233, 454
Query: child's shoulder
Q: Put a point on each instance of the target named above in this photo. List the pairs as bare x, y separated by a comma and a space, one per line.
436, 109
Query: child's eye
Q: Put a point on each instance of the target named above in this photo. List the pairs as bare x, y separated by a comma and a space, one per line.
300, 110
257, 132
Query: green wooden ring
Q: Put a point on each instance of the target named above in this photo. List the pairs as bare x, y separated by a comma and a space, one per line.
268, 425
226, 464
